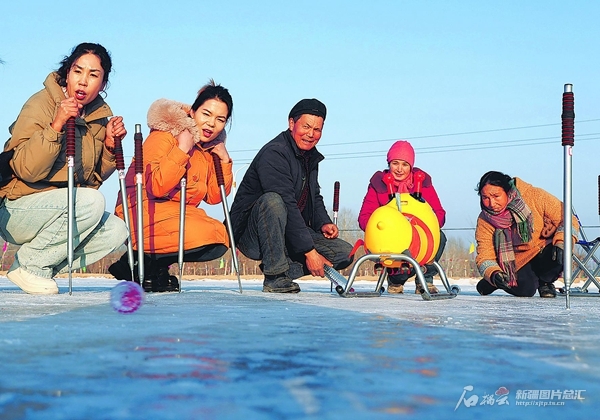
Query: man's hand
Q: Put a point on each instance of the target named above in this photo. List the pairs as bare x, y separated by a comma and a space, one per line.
330, 231
315, 263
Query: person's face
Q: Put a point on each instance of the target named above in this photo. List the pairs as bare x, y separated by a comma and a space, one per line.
400, 169
85, 79
211, 118
306, 131
494, 198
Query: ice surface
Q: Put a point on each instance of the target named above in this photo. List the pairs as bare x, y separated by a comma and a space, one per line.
213, 353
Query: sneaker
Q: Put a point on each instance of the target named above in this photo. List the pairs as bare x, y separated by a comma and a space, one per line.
280, 284
395, 288
430, 286
31, 283
547, 290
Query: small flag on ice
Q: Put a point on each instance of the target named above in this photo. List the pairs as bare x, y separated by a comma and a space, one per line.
472, 248
221, 263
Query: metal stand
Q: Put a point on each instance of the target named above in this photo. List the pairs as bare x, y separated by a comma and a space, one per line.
139, 185
221, 183
180, 250
347, 289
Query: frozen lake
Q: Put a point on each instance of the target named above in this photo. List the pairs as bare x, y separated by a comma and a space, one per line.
211, 353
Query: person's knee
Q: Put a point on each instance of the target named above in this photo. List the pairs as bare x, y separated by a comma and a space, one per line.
91, 202
528, 291
118, 229
272, 203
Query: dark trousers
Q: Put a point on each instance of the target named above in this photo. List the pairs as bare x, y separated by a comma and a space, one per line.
264, 240
156, 263
541, 269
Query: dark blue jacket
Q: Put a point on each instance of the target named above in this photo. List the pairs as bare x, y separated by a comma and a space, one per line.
278, 167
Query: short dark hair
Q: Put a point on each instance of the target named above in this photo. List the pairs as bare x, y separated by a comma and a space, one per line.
211, 90
495, 178
82, 49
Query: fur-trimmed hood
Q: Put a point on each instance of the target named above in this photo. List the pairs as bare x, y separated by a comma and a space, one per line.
174, 117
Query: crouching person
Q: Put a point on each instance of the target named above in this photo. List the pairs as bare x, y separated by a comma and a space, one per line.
520, 237
182, 142
278, 214
33, 203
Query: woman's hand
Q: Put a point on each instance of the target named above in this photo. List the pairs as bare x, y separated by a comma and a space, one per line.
221, 151
114, 128
68, 108
185, 140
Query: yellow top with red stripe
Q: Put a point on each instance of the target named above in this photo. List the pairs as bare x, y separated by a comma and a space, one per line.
415, 228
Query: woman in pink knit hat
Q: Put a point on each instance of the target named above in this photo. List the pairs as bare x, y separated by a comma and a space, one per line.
401, 160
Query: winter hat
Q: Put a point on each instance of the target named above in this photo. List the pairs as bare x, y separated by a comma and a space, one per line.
309, 106
402, 150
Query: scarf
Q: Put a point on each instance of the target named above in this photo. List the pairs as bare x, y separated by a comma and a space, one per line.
405, 185
514, 226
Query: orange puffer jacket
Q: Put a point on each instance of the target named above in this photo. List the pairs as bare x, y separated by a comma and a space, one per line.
164, 166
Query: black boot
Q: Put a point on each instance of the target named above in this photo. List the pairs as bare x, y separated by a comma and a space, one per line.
547, 290
158, 279
280, 284
121, 270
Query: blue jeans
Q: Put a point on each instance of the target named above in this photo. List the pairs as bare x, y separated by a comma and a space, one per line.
264, 240
38, 223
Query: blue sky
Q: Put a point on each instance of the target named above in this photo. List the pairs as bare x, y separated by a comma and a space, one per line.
475, 86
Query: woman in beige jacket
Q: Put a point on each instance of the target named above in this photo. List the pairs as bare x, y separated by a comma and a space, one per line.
519, 237
33, 207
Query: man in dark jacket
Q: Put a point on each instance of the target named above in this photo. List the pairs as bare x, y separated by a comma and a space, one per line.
278, 215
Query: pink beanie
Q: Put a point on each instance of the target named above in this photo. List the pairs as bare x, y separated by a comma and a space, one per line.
402, 150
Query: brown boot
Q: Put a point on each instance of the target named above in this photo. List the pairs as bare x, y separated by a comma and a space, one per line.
430, 286
395, 288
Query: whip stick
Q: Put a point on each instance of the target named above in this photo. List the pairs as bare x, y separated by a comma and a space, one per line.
182, 199
70, 197
336, 208
336, 201
120, 164
139, 176
221, 182
568, 141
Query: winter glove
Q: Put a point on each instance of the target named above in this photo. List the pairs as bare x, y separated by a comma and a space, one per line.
500, 279
558, 253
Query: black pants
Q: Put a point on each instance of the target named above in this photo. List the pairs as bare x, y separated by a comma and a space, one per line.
541, 269
204, 253
155, 263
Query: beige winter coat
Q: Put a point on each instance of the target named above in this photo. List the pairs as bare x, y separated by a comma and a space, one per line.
548, 228
40, 162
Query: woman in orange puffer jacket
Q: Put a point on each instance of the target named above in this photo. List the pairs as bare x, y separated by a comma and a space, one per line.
181, 143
